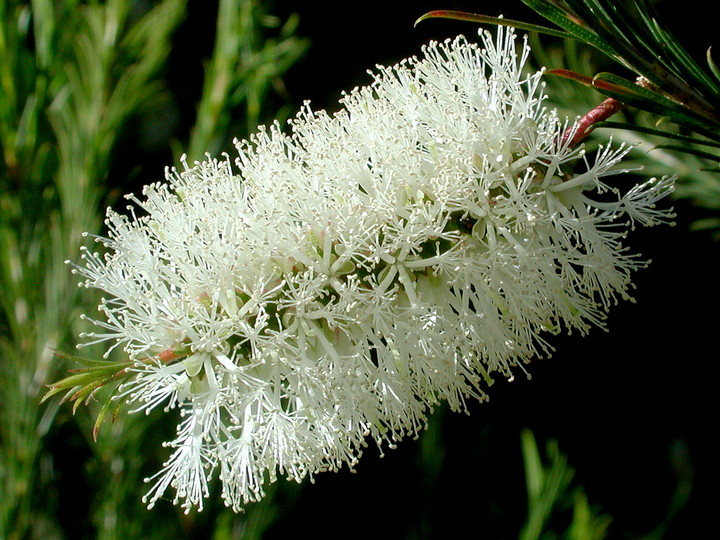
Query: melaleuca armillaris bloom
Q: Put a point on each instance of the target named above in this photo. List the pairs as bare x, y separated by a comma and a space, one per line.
338, 281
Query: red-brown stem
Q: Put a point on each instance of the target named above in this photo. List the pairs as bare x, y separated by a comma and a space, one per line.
585, 125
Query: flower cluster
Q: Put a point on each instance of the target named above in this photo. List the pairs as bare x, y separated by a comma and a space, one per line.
342, 279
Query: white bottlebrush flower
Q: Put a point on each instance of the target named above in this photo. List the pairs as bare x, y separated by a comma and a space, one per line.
343, 279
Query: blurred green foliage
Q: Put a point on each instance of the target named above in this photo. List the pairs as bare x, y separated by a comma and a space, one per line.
73, 77
549, 489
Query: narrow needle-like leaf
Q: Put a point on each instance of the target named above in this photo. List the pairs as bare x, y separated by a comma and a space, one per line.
486, 19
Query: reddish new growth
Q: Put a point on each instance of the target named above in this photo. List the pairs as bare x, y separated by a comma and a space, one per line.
585, 125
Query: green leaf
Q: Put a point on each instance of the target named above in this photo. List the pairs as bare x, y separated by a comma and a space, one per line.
81, 385
84, 383
592, 82
657, 132
711, 64
546, 485
676, 57
486, 19
570, 24
103, 410
585, 524
689, 150
533, 466
705, 224
613, 28
84, 394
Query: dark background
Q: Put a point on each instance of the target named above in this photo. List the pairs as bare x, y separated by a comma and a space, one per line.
632, 407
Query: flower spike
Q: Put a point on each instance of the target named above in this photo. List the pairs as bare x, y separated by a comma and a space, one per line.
338, 281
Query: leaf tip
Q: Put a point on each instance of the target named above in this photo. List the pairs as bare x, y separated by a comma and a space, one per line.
429, 15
